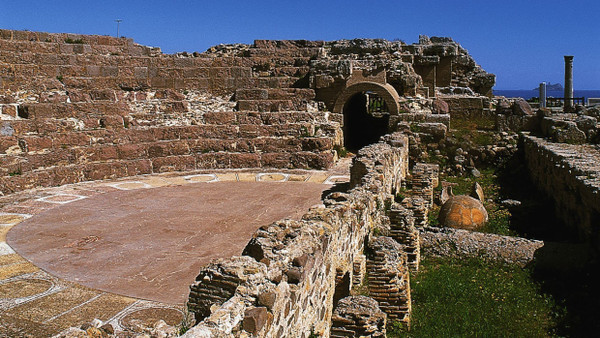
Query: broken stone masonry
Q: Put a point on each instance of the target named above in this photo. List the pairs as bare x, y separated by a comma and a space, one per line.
80, 107
299, 271
77, 108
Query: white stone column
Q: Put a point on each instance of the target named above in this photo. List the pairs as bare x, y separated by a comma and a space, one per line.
543, 95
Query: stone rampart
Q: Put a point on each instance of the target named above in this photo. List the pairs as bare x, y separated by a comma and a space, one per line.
293, 273
570, 175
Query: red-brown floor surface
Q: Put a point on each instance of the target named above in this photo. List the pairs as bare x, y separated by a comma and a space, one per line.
151, 243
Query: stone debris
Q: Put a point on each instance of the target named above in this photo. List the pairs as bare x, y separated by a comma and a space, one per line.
137, 329
511, 203
358, 316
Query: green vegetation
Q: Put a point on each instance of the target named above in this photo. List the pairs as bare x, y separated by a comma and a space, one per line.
363, 288
465, 124
340, 150
376, 104
15, 173
184, 326
77, 41
304, 132
415, 128
401, 194
475, 298
60, 78
478, 130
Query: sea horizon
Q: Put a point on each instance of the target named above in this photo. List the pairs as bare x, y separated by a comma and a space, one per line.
530, 93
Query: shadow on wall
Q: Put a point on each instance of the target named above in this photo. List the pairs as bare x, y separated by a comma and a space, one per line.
360, 127
569, 272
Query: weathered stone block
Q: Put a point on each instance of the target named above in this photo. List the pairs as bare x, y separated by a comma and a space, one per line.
173, 163
255, 319
220, 118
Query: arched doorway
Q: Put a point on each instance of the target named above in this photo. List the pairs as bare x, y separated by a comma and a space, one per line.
367, 107
366, 119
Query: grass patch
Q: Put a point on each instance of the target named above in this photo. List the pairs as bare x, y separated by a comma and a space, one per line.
340, 150
474, 298
473, 123
478, 130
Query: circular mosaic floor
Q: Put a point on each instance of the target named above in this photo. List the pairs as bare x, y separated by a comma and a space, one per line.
150, 243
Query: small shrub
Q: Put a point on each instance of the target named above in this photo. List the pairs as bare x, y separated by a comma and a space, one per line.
313, 334
15, 173
340, 150
401, 194
432, 216
184, 326
396, 329
77, 41
60, 78
304, 132
415, 128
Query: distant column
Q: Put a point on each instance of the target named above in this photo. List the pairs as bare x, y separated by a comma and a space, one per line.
543, 95
568, 82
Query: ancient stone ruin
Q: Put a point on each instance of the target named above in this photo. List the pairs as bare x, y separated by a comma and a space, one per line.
78, 108
72, 104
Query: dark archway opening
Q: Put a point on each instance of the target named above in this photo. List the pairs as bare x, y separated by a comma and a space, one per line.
366, 119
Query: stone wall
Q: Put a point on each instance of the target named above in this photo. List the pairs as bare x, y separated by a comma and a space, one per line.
77, 107
462, 244
85, 107
570, 175
295, 272
389, 282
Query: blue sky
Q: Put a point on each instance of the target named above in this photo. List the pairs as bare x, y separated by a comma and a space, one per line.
522, 42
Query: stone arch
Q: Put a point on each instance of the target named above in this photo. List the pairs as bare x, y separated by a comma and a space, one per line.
385, 91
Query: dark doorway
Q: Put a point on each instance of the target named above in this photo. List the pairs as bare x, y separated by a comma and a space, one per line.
366, 119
